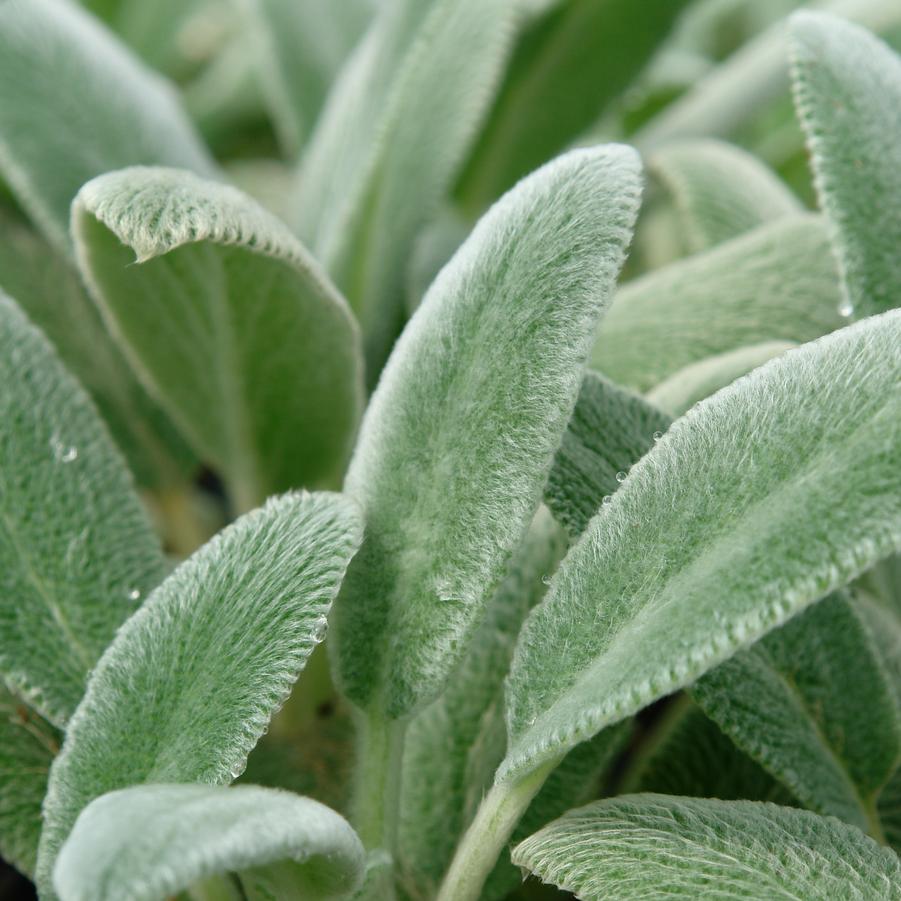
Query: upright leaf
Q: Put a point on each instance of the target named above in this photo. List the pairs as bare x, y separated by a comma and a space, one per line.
757, 502
100, 109
191, 680
77, 552
151, 842
230, 321
657, 846
812, 704
459, 436
847, 87
775, 282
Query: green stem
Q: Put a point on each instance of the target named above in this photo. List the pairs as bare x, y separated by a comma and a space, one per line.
501, 809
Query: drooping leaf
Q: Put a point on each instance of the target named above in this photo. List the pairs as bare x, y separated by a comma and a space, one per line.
658, 846
231, 322
569, 63
811, 702
414, 143
759, 501
48, 289
151, 842
719, 191
100, 109
27, 747
847, 87
191, 680
696, 381
775, 282
76, 548
610, 429
460, 434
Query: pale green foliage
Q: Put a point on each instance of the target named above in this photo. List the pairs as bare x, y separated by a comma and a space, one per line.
719, 191
191, 680
152, 841
486, 373
655, 846
56, 59
272, 400
847, 88
760, 500
775, 282
77, 552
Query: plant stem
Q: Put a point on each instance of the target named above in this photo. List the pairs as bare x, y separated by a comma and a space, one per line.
495, 820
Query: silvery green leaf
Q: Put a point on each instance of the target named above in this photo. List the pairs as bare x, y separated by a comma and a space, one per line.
100, 109
77, 552
760, 500
435, 245
884, 628
190, 682
610, 429
415, 141
648, 846
486, 372
570, 62
812, 704
847, 87
229, 320
150, 842
692, 383
775, 282
27, 746
719, 191
48, 289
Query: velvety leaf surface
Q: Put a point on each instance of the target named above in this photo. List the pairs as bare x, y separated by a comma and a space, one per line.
100, 109
720, 191
811, 702
847, 87
657, 846
459, 436
27, 747
191, 680
150, 842
77, 552
231, 322
890, 811
775, 282
609, 430
757, 502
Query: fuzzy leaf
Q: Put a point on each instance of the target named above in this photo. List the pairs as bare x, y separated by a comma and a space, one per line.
847, 87
683, 389
27, 747
100, 109
569, 64
459, 436
890, 811
760, 500
150, 842
610, 429
438, 95
191, 680
812, 704
76, 548
639, 847
719, 191
775, 282
231, 322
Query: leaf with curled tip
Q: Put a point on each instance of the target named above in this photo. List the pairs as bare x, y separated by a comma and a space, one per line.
150, 842
77, 551
459, 436
639, 847
101, 109
230, 322
191, 680
847, 88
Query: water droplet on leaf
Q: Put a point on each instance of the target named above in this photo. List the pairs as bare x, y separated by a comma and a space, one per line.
134, 594
846, 308
620, 476
658, 436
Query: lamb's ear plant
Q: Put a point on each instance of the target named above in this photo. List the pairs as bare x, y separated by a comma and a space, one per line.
381, 473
